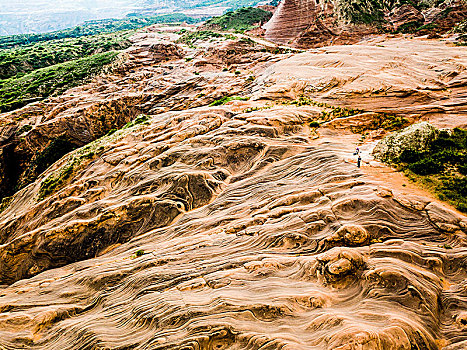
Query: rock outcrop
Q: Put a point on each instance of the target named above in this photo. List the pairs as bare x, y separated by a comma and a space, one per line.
312, 23
151, 77
406, 17
232, 226
416, 138
290, 20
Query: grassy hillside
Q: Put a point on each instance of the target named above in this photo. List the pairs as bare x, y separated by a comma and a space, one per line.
232, 4
30, 57
16, 92
239, 20
93, 28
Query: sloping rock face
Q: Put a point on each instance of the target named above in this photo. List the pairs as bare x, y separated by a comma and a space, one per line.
244, 236
406, 16
311, 23
231, 227
308, 23
291, 18
382, 77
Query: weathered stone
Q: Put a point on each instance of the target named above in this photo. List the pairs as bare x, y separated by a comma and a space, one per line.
415, 138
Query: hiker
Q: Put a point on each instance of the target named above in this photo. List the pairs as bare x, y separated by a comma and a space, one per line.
357, 151
359, 161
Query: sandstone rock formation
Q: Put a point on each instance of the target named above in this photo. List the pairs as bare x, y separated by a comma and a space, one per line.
152, 77
404, 16
312, 23
232, 227
384, 77
248, 235
290, 20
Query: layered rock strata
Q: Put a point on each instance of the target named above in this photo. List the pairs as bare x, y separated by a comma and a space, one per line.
312, 23
232, 227
242, 235
290, 20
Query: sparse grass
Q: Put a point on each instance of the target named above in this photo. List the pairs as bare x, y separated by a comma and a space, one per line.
190, 38
384, 121
239, 21
141, 119
226, 99
24, 129
5, 203
58, 178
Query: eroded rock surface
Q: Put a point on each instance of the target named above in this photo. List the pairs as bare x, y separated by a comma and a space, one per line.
230, 227
313, 23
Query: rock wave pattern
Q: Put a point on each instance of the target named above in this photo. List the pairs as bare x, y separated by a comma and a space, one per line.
206, 229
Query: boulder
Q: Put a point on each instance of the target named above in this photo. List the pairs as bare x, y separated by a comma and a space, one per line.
416, 137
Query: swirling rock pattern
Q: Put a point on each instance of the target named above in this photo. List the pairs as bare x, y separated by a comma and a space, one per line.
222, 228
252, 238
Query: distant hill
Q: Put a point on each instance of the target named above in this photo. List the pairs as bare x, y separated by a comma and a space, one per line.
19, 17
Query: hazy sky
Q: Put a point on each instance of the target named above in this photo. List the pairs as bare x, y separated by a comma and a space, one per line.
37, 5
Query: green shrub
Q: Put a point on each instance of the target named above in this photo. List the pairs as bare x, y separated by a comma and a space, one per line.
240, 20
225, 99
442, 166
426, 166
410, 156
19, 61
314, 124
455, 190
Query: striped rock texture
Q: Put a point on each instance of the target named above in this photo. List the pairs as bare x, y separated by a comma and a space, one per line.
316, 23
232, 227
291, 19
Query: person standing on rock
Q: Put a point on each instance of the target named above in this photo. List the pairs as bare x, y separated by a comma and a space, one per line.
359, 161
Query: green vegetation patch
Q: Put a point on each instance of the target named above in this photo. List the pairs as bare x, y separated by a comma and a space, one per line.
441, 166
384, 121
461, 28
28, 58
18, 91
362, 11
231, 4
189, 38
226, 99
240, 20
141, 119
5, 203
372, 11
